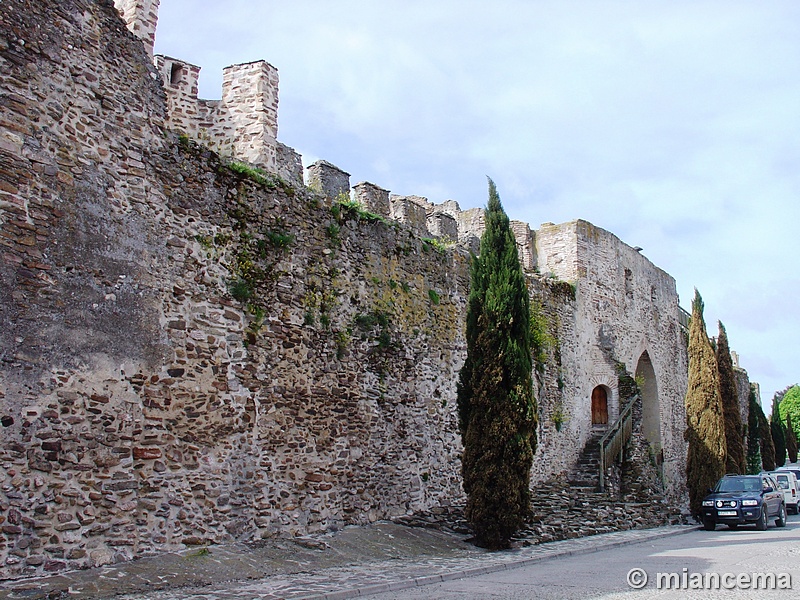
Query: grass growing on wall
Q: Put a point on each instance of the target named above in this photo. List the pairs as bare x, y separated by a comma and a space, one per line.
541, 339
343, 208
439, 246
258, 175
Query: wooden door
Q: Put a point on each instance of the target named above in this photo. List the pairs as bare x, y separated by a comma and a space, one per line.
599, 406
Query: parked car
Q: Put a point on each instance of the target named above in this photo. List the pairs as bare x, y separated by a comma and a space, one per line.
793, 468
744, 500
787, 482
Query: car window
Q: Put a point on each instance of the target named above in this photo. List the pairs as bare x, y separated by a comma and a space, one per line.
730, 485
783, 482
739, 484
751, 485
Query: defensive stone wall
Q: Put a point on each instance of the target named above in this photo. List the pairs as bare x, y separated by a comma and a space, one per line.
192, 353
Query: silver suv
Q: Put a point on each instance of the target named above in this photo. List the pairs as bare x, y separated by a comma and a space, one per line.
787, 482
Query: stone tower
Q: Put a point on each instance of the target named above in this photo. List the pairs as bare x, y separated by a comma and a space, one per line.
141, 16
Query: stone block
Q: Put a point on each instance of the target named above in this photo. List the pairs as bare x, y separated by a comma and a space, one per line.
443, 226
289, 164
328, 179
409, 211
373, 198
148, 453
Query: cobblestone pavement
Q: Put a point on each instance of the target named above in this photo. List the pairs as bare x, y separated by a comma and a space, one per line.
350, 563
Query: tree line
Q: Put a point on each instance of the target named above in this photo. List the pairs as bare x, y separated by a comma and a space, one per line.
719, 442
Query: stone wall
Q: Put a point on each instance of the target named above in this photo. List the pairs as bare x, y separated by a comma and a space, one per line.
743, 392
626, 316
190, 354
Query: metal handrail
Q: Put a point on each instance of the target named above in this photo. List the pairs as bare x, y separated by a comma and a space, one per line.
613, 442
684, 318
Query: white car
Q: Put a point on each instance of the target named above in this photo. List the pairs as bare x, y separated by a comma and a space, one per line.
787, 481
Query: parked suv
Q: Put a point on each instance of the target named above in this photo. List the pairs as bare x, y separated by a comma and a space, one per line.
744, 500
787, 482
794, 468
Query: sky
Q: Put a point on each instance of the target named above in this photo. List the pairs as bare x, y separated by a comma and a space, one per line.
674, 125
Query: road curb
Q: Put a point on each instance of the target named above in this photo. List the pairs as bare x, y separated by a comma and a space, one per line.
493, 568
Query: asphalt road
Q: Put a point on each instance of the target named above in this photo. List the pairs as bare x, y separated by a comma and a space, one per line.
604, 574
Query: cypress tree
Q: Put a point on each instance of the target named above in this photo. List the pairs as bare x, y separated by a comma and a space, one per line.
791, 440
734, 442
778, 432
765, 436
753, 439
705, 427
496, 409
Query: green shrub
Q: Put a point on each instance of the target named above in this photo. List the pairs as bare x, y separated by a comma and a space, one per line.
240, 289
279, 239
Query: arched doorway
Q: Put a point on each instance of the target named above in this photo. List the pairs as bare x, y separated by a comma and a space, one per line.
651, 414
599, 406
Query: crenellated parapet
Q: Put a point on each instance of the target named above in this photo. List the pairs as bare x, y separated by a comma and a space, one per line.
243, 125
445, 221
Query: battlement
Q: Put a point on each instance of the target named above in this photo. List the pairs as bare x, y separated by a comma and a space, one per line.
243, 125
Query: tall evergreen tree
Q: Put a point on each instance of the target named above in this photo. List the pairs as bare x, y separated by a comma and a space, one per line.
753, 438
705, 427
765, 437
778, 432
791, 440
734, 442
496, 408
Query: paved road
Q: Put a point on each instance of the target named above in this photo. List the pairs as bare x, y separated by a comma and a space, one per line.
603, 574
415, 563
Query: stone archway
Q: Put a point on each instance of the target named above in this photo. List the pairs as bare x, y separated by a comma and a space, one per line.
651, 413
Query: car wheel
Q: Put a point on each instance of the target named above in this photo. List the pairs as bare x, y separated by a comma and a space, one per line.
709, 525
781, 520
762, 520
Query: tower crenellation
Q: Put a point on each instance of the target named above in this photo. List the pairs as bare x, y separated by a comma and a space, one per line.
373, 198
141, 17
247, 120
243, 125
328, 179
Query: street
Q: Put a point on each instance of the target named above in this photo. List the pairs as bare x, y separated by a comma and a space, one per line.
604, 574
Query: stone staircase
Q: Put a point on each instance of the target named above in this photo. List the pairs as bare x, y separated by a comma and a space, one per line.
570, 506
585, 475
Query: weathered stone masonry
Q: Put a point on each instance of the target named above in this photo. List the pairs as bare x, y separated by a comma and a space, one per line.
144, 406
190, 355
